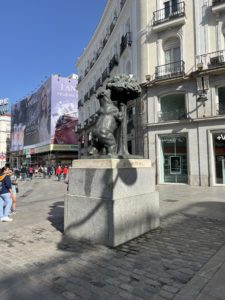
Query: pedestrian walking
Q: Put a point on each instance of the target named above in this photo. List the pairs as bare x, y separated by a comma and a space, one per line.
49, 171
15, 190
5, 195
58, 172
31, 172
45, 170
23, 173
65, 172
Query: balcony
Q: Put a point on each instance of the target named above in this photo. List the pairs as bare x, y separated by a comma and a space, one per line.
105, 74
171, 15
98, 53
171, 70
92, 63
86, 71
218, 6
113, 62
122, 2
173, 115
80, 103
86, 97
125, 41
113, 24
104, 42
98, 83
210, 60
92, 91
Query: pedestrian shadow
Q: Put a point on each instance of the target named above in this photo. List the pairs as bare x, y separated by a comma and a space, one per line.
56, 215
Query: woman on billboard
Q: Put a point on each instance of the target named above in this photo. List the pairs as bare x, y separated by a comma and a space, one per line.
44, 121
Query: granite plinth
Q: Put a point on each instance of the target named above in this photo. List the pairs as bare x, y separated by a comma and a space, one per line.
110, 201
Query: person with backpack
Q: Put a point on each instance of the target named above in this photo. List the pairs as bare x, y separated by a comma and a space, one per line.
5, 195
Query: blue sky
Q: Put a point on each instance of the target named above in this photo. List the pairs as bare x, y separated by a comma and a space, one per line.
42, 37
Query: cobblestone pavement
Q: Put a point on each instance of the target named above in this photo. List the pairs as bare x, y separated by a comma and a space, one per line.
36, 262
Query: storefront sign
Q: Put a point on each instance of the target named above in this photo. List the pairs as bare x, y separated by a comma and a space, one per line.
220, 137
168, 139
55, 147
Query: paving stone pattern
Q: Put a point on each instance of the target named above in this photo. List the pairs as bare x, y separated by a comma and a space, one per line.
37, 263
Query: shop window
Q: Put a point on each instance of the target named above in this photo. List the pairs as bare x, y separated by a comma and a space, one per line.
172, 107
219, 153
221, 100
173, 162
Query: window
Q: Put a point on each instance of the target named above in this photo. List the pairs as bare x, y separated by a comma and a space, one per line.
221, 101
170, 7
171, 48
172, 107
172, 58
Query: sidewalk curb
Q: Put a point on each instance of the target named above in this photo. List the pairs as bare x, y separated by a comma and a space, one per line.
193, 289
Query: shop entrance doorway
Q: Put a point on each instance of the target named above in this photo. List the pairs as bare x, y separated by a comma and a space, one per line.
173, 161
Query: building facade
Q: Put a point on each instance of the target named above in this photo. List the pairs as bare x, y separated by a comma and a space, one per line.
113, 49
44, 124
176, 51
5, 126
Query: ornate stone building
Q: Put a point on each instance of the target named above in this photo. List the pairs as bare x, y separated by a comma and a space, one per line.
175, 49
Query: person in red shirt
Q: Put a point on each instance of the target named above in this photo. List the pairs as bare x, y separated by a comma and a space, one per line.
65, 172
58, 172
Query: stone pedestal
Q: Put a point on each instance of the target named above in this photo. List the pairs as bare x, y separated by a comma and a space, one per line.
110, 201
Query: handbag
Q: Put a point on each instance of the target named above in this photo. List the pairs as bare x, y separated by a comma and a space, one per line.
17, 189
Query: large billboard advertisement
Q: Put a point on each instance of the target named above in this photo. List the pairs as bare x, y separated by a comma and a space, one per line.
48, 116
31, 119
64, 111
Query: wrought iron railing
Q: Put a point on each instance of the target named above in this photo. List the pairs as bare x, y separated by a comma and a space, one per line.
113, 24
105, 74
113, 62
217, 2
98, 83
122, 2
92, 90
172, 69
125, 41
80, 103
169, 12
210, 60
175, 114
86, 97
